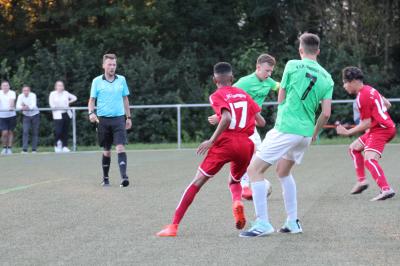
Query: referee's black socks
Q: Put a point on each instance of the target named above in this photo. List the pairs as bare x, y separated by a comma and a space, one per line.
105, 163
122, 162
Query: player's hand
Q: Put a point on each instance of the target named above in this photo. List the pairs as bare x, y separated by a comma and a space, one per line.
341, 130
314, 138
213, 119
128, 123
93, 118
204, 147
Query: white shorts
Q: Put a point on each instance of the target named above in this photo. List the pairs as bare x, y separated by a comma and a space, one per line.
256, 139
277, 145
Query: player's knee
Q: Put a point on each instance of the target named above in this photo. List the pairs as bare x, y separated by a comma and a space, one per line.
107, 153
253, 171
200, 180
282, 172
120, 148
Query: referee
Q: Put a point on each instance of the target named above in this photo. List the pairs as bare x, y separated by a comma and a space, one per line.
113, 116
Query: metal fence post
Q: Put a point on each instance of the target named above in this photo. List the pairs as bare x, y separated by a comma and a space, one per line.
73, 129
178, 124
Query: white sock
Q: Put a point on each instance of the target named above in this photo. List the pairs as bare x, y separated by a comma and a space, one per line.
290, 196
260, 200
245, 181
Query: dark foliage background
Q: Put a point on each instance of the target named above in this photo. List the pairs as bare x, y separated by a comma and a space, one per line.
166, 49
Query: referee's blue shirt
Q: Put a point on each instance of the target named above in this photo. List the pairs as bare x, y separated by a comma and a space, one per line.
109, 95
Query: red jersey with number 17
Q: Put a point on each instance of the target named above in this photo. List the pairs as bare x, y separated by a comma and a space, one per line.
242, 107
371, 105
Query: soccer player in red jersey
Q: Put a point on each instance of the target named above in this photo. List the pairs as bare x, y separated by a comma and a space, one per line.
238, 114
379, 129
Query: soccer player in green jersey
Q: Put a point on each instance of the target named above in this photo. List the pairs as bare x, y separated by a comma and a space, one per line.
305, 84
257, 85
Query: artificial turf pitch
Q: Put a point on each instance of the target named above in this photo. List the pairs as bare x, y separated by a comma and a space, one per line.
54, 212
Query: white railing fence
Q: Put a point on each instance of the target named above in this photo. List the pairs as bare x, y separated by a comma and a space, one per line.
178, 108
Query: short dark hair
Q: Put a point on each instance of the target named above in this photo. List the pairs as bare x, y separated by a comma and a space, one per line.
5, 81
25, 86
266, 58
109, 56
222, 68
351, 73
309, 42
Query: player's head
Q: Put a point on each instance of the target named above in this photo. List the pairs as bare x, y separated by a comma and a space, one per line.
309, 44
223, 75
26, 90
265, 66
5, 85
59, 86
353, 79
109, 64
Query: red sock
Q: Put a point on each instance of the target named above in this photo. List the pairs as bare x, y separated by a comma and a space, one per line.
185, 202
377, 173
358, 160
236, 190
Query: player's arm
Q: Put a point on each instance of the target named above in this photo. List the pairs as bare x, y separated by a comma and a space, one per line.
19, 103
360, 128
12, 103
281, 95
127, 113
386, 103
213, 119
323, 117
222, 125
91, 106
260, 121
71, 98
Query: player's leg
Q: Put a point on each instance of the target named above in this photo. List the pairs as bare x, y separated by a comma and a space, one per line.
58, 128
241, 155
4, 140
261, 226
355, 150
373, 151
35, 131
105, 138
186, 200
120, 139
372, 164
10, 141
289, 190
245, 180
65, 132
26, 125
210, 166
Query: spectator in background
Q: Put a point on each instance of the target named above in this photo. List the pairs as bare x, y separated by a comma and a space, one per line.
61, 99
30, 117
8, 117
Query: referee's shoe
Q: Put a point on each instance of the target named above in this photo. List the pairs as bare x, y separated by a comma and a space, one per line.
124, 181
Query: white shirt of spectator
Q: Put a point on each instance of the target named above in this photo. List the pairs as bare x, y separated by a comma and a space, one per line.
30, 101
61, 100
5, 99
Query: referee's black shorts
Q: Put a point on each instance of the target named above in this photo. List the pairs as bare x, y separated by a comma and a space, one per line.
111, 130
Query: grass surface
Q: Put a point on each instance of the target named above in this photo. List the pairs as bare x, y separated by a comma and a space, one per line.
191, 145
53, 212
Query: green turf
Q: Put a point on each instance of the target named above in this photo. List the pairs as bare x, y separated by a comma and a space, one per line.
191, 145
61, 216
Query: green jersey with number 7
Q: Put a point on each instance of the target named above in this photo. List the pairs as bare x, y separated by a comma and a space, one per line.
306, 83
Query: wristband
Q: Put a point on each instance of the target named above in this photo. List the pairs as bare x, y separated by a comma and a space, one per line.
90, 113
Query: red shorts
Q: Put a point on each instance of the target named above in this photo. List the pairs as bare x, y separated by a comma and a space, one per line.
376, 139
237, 149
